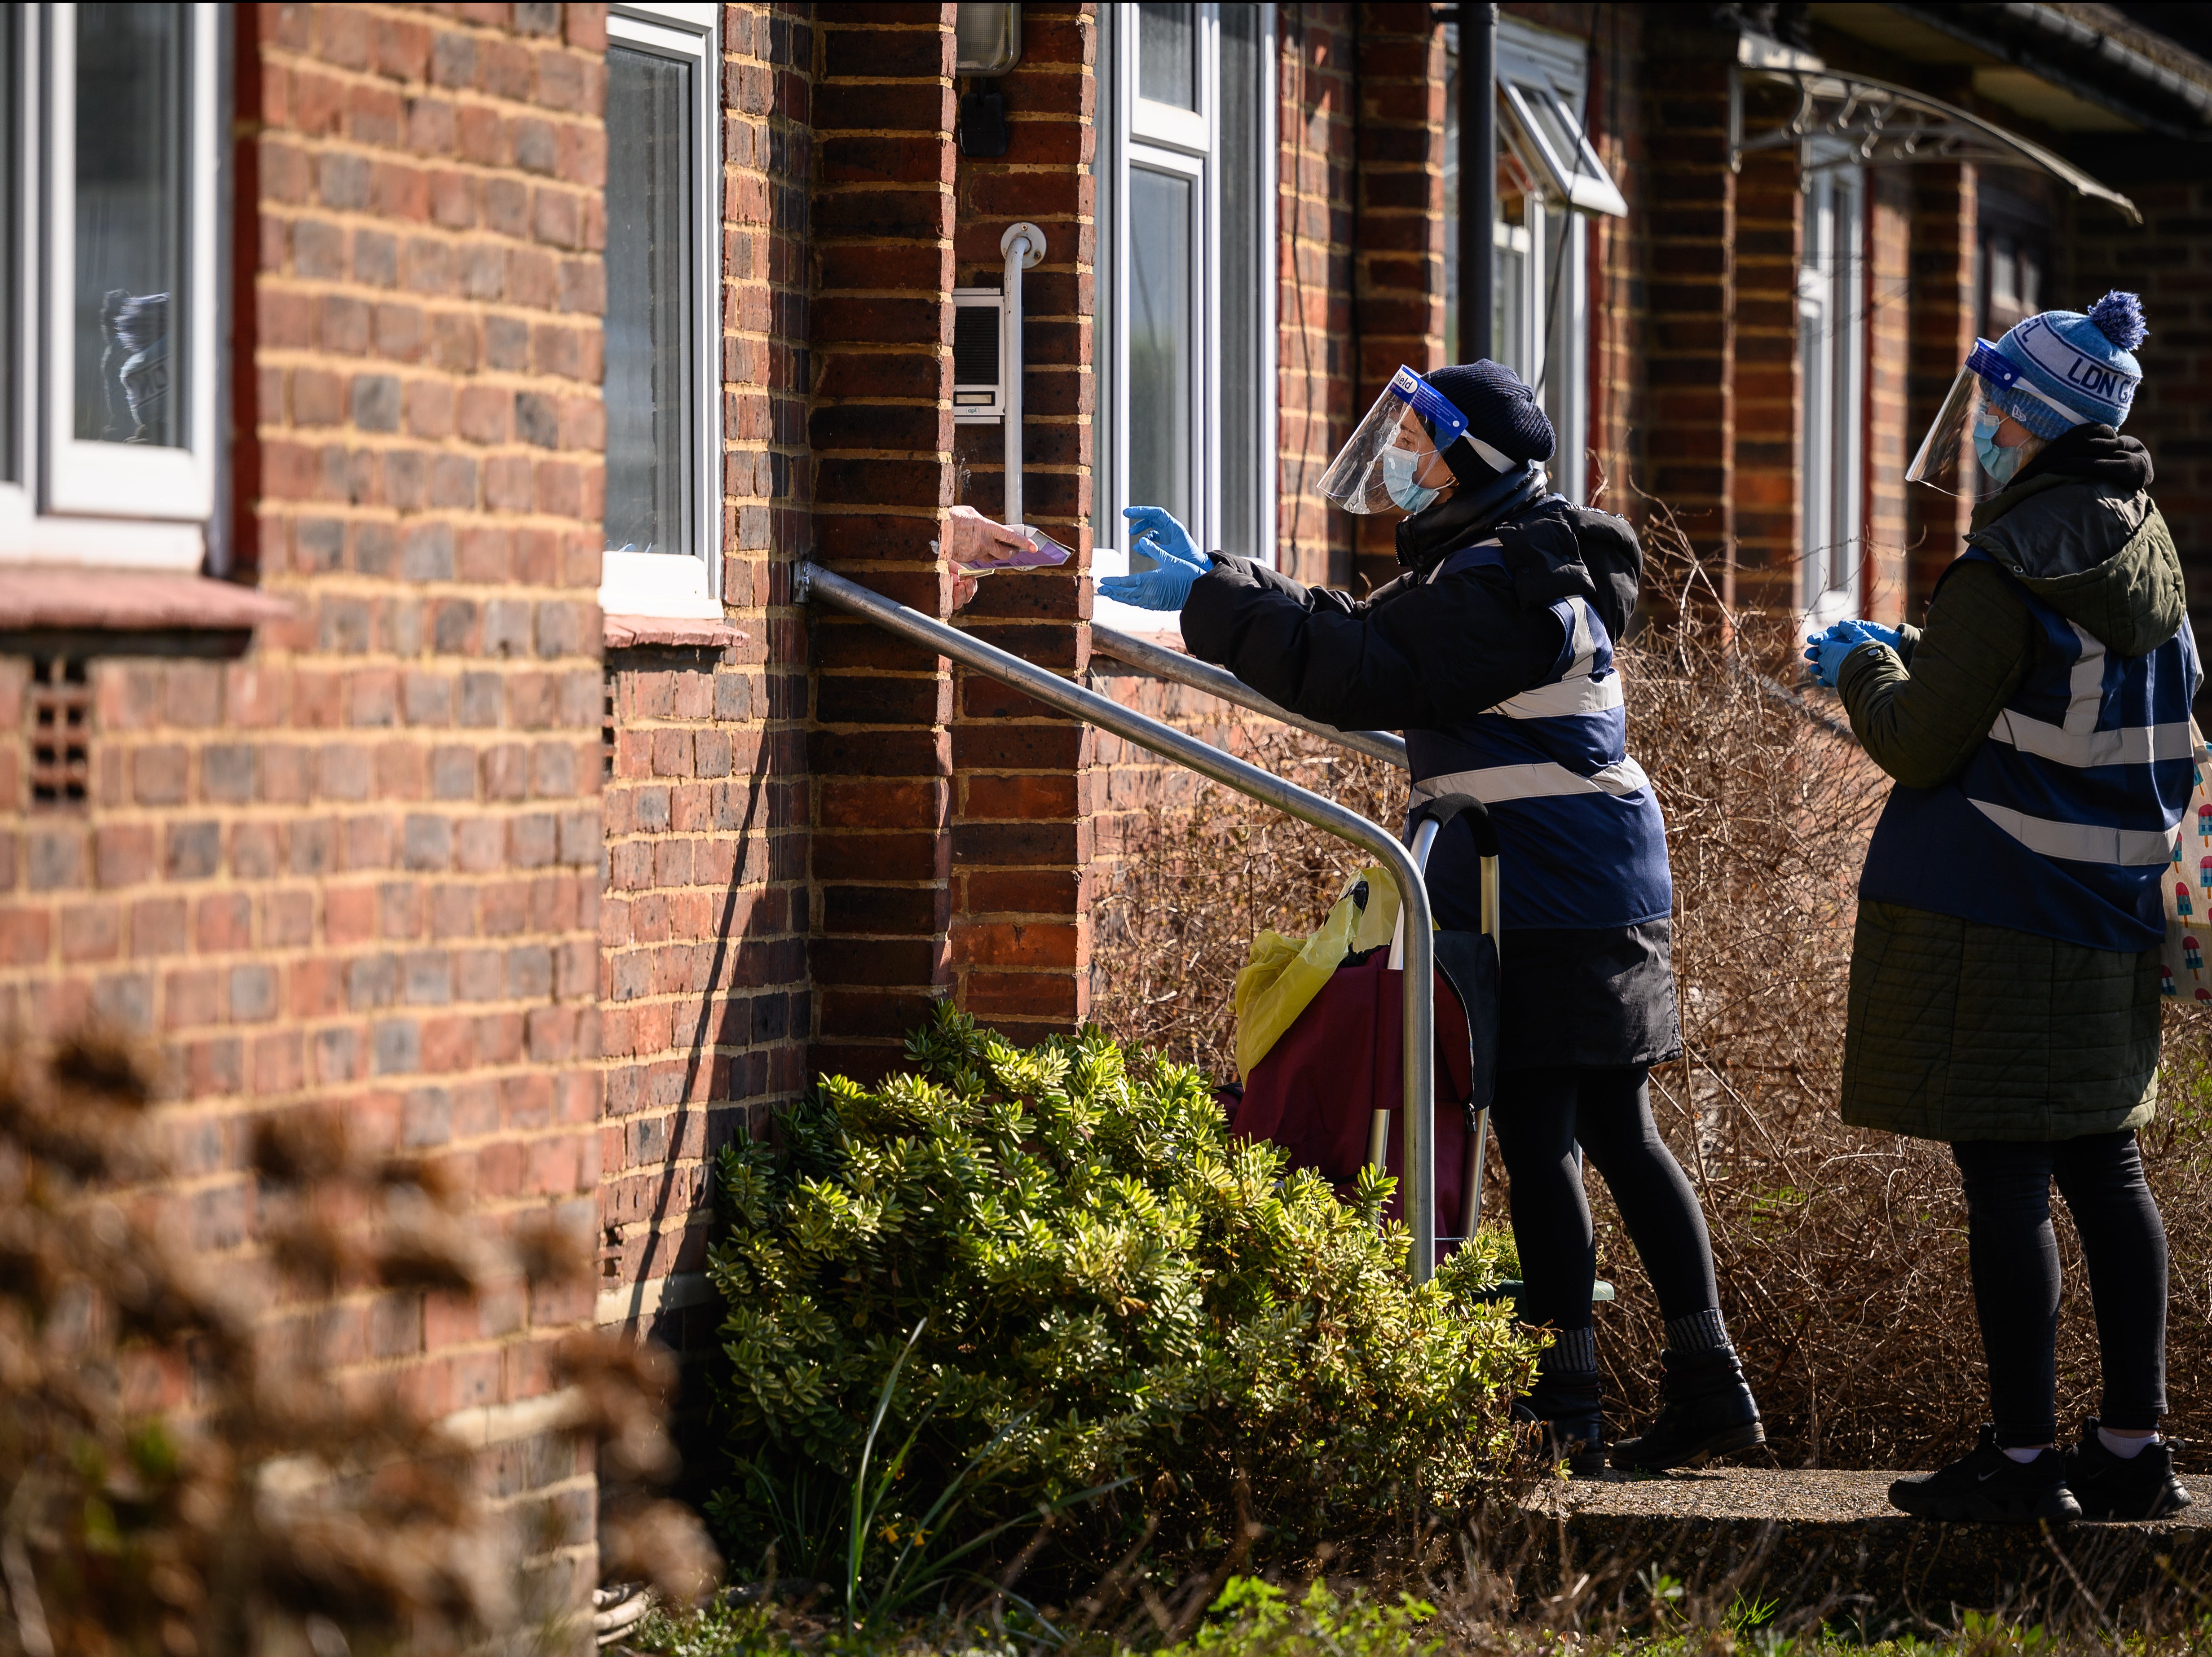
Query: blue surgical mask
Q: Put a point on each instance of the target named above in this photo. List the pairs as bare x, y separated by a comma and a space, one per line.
1999, 462
1399, 466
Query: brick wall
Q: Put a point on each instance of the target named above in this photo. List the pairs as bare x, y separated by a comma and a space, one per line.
1768, 226
1398, 261
1023, 786
1690, 200
356, 867
1316, 124
1889, 436
880, 425
703, 928
1945, 226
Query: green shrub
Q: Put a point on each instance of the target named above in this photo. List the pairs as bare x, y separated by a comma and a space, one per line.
1110, 1292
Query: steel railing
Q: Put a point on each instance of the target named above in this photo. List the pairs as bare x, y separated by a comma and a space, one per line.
1417, 1030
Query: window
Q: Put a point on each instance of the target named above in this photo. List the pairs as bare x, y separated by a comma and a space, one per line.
1831, 378
664, 309
1550, 177
1186, 318
108, 193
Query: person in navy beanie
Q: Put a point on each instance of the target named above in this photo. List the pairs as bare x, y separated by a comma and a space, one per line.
2005, 987
1493, 652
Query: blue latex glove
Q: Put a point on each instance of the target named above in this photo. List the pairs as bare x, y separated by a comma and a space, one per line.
1880, 634
1181, 563
1826, 652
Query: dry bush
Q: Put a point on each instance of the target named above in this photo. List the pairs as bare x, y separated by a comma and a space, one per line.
181, 1472
1841, 1254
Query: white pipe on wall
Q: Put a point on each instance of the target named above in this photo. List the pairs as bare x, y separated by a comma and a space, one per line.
1024, 246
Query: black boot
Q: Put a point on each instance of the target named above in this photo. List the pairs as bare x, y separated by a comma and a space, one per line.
1564, 1420
1989, 1487
2140, 1486
1705, 1410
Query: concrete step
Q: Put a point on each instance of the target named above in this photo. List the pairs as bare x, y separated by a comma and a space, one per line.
1830, 1544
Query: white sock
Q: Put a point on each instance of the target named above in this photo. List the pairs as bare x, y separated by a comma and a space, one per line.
2126, 1449
2024, 1457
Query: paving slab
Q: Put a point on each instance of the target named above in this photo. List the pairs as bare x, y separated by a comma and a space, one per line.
1829, 1542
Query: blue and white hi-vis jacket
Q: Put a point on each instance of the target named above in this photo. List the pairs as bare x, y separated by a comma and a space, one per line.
1578, 826
2065, 819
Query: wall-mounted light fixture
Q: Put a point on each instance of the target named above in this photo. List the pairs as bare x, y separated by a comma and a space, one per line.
989, 38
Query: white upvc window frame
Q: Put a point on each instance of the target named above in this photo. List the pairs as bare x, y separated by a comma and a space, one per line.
1832, 390
1138, 133
686, 585
72, 501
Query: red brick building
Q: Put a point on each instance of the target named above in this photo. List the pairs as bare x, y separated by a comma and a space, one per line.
413, 419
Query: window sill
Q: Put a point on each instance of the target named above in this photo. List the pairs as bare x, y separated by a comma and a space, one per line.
680, 632
113, 604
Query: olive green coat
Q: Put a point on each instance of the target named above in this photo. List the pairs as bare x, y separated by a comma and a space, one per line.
1960, 1030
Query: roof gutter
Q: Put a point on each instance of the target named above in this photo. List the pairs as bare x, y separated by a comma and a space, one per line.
2099, 69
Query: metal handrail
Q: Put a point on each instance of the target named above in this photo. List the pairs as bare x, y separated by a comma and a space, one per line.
1219, 682
1418, 1025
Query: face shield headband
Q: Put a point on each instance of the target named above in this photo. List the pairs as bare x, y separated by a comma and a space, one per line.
1946, 458
1392, 461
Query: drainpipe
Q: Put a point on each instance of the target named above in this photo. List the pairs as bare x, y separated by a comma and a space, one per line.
1024, 246
1477, 179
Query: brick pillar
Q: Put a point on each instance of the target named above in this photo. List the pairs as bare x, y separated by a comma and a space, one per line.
1314, 297
880, 427
1398, 269
1692, 359
1024, 785
1945, 229
1769, 227
1889, 435
1618, 305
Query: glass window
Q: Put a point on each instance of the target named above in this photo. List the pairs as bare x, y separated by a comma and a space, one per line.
664, 316
1167, 54
11, 244
1831, 366
1162, 340
1186, 319
651, 367
130, 211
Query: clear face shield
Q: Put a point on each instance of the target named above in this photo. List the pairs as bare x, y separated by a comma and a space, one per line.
1948, 459
1393, 461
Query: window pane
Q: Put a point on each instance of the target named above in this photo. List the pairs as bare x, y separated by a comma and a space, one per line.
1167, 54
1161, 341
651, 365
11, 243
1244, 272
131, 158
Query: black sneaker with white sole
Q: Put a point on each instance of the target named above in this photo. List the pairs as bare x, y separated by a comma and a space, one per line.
1989, 1487
2108, 1486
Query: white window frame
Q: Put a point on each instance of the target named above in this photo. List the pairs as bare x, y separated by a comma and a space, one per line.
686, 585
1138, 133
1831, 391
73, 500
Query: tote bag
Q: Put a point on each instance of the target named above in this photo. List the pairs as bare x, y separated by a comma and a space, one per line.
2182, 972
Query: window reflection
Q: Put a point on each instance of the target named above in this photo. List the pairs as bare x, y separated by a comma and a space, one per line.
128, 297
1161, 340
650, 265
1167, 54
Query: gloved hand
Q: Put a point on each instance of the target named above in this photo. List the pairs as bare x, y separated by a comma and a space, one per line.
1181, 562
1826, 652
1880, 634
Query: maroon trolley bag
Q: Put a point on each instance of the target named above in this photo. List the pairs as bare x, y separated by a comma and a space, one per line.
1326, 1089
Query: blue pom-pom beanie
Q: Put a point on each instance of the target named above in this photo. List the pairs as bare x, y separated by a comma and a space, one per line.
1500, 410
2060, 369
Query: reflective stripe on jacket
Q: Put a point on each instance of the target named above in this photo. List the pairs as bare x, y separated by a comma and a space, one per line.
1580, 826
2064, 821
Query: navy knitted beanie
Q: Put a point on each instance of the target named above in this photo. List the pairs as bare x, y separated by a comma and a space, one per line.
1500, 410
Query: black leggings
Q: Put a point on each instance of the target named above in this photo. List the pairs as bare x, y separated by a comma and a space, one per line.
2014, 1257
1539, 1115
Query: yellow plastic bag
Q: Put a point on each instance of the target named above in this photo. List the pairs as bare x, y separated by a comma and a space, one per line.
1282, 978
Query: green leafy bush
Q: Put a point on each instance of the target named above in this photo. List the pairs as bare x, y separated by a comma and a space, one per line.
1111, 1292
